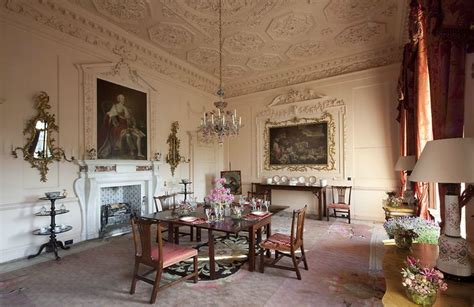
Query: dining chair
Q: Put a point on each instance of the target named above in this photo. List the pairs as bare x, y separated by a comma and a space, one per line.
286, 245
167, 202
158, 256
341, 196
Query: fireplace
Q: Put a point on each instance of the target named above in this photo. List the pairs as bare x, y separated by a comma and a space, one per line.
118, 203
109, 191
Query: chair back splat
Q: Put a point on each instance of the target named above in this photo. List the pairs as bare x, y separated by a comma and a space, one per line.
341, 196
297, 227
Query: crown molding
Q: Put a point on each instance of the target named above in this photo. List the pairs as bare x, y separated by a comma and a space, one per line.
61, 19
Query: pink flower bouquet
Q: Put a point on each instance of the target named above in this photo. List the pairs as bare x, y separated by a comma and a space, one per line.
422, 284
219, 194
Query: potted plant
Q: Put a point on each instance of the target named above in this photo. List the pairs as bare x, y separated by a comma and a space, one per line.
422, 283
427, 231
404, 237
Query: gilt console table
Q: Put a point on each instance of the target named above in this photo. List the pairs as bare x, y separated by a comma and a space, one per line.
319, 192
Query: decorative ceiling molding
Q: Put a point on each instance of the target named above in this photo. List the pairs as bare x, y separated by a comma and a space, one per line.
267, 43
317, 71
293, 96
60, 17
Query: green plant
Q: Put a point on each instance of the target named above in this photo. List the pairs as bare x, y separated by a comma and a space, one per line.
427, 231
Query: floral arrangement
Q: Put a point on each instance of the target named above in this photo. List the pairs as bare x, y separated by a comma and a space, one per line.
393, 201
219, 194
427, 231
422, 284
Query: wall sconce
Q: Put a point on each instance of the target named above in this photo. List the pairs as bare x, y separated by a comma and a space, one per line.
174, 158
39, 149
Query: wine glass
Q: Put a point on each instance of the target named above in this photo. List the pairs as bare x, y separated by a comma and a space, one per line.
266, 204
208, 214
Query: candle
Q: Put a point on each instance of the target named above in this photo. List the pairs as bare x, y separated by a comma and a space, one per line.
212, 119
204, 117
235, 112
219, 112
223, 120
240, 121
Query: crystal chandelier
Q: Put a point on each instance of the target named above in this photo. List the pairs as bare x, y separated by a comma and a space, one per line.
220, 123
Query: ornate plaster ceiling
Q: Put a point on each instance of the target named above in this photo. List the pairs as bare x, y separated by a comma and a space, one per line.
267, 43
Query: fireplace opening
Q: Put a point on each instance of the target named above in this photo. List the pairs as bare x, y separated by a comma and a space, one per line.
118, 204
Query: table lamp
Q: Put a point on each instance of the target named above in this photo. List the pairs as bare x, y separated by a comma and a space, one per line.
450, 161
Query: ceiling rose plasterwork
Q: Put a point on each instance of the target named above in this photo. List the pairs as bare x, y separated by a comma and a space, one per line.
267, 43
171, 35
243, 42
368, 32
123, 11
344, 11
306, 49
289, 26
264, 62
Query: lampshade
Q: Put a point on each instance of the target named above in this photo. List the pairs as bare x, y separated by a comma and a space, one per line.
405, 163
446, 161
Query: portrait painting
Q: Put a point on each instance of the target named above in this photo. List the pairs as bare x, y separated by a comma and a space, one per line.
302, 144
233, 181
121, 122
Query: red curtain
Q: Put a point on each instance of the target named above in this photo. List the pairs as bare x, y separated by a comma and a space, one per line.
414, 97
447, 46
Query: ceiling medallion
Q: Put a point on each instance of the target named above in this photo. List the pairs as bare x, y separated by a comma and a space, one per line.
220, 123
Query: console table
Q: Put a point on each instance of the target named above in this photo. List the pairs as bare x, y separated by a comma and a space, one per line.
319, 192
458, 294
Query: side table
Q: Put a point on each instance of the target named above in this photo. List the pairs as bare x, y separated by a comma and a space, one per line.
403, 210
53, 244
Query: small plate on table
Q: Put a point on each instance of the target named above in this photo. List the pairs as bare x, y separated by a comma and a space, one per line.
312, 180
188, 218
301, 180
284, 179
276, 179
259, 213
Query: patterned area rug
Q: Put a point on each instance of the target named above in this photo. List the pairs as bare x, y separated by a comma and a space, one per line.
230, 254
342, 272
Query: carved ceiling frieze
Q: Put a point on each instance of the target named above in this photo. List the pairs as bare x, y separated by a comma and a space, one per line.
367, 32
264, 62
306, 49
344, 11
171, 35
289, 26
267, 43
130, 11
204, 57
243, 42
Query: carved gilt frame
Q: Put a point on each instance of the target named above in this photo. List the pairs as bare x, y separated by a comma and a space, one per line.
123, 74
295, 121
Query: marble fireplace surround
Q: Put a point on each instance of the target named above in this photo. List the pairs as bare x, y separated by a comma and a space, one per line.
97, 174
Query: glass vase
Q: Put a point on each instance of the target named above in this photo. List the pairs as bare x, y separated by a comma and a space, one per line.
422, 300
403, 242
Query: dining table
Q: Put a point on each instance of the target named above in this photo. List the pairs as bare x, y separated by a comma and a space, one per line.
248, 222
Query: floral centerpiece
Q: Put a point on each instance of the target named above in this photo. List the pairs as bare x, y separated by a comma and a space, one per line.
394, 202
422, 284
219, 195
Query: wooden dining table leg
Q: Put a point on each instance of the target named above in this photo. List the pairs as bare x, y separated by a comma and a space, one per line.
212, 261
320, 204
170, 232
269, 233
252, 249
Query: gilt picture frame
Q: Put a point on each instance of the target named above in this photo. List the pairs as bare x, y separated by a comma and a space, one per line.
233, 181
122, 122
300, 144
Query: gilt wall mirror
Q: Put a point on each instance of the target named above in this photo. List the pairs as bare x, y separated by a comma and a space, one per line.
39, 149
174, 158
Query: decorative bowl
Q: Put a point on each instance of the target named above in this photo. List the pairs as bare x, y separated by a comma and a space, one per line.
52, 194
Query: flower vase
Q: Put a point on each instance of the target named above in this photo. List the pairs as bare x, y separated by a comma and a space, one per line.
422, 300
403, 242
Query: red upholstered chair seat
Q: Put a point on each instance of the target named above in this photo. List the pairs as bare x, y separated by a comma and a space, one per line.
339, 206
173, 254
277, 241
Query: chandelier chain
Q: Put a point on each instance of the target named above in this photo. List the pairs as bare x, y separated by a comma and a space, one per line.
221, 91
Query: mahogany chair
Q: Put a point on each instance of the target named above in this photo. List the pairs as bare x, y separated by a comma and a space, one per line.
167, 202
286, 245
341, 204
158, 256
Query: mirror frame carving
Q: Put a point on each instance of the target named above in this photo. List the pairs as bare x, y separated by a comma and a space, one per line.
56, 153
